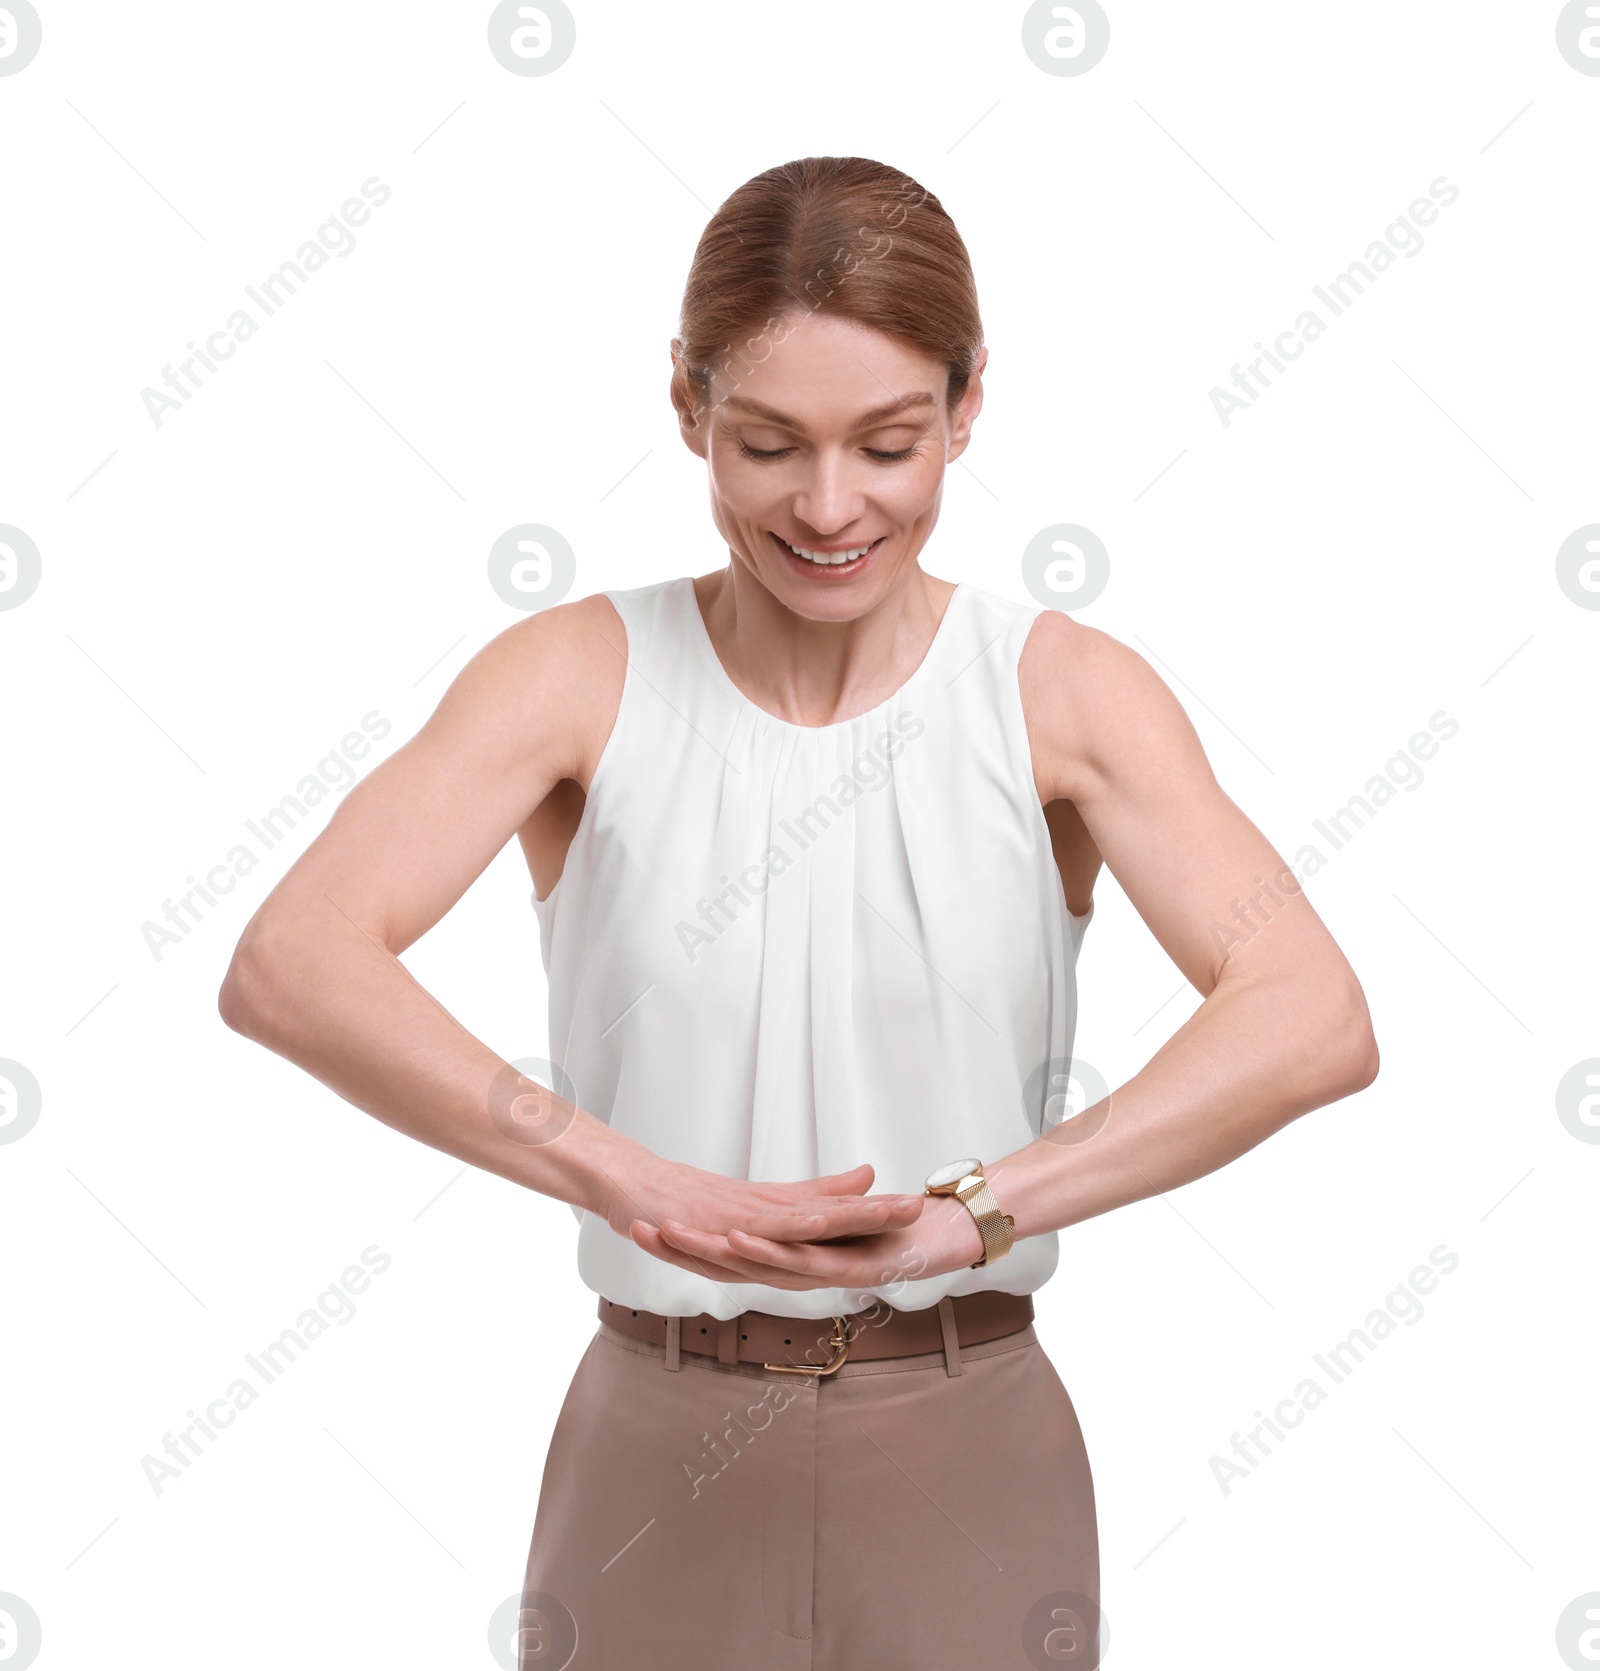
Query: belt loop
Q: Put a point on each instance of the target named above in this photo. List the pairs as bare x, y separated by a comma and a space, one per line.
952, 1346
674, 1334
727, 1340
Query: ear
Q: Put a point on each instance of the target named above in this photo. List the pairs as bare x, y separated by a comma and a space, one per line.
966, 410
691, 416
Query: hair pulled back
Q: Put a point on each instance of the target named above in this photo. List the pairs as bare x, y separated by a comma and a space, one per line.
843, 236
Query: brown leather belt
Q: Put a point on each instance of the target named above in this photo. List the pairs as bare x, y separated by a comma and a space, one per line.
818, 1345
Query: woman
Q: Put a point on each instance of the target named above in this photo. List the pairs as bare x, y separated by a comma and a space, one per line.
813, 840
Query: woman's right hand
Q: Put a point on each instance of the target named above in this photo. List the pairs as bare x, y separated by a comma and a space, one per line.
652, 1191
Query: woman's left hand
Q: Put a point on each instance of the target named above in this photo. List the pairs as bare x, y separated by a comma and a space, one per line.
943, 1238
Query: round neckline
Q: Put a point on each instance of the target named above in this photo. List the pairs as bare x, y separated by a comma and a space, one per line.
702, 636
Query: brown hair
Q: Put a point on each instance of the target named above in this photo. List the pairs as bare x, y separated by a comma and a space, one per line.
844, 236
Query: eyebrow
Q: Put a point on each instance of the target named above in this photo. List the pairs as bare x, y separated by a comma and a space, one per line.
877, 415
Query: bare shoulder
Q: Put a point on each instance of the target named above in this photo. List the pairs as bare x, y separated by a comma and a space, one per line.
552, 681
1096, 710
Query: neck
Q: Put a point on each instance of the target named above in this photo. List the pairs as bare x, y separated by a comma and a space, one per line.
812, 671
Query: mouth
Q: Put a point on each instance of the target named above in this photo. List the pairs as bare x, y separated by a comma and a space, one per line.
841, 563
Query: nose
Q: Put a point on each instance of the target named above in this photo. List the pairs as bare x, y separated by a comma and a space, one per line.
828, 501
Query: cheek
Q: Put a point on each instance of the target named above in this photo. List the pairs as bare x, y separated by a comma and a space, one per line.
744, 493
917, 488
735, 482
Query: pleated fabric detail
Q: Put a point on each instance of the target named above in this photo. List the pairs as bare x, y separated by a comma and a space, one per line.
777, 951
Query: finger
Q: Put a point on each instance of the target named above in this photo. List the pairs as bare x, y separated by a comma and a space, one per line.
847, 1208
713, 1250
804, 1258
857, 1181
820, 1221
797, 1217
859, 1265
732, 1271
653, 1243
777, 1264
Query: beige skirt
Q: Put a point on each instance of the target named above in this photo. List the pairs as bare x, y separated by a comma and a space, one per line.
892, 1514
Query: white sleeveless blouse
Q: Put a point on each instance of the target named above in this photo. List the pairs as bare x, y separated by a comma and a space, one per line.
776, 951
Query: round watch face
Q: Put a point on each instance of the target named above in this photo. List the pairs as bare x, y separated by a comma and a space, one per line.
956, 1170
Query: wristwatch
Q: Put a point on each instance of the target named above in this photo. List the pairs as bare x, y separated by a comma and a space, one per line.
964, 1180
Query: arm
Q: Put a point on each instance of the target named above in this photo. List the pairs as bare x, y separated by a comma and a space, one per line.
316, 976
1283, 1027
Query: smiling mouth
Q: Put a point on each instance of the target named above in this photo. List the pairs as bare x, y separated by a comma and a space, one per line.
831, 561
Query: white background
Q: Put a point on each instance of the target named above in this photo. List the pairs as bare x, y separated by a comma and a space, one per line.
225, 595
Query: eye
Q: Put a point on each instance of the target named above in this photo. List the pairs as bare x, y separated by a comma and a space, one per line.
877, 454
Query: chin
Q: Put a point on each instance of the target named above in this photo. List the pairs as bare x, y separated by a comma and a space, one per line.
806, 578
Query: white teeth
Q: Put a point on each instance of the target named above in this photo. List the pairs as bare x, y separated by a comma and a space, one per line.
830, 556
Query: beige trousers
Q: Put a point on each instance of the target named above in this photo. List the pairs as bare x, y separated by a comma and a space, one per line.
899, 1513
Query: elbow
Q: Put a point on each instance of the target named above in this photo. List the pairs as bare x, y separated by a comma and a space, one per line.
1362, 1062
244, 999
1353, 1053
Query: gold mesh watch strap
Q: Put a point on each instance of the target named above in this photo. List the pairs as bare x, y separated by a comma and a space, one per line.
993, 1225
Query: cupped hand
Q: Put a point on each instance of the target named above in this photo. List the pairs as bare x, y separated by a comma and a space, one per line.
943, 1237
696, 1202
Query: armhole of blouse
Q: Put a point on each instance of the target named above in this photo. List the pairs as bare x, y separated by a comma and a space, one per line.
1076, 923
1079, 924
543, 907
1026, 743
609, 747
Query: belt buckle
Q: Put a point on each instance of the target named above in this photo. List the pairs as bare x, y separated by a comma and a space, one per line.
839, 1340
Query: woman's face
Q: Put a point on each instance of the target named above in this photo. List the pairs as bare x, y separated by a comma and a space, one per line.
836, 440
